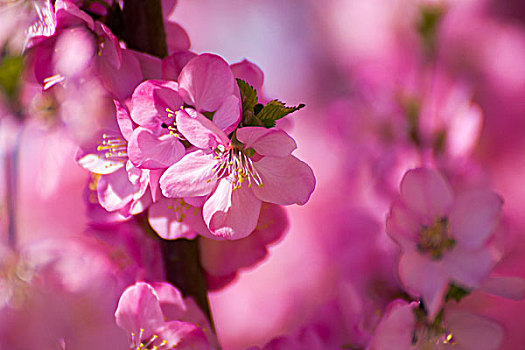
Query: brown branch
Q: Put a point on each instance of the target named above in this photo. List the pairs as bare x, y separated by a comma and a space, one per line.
144, 26
183, 269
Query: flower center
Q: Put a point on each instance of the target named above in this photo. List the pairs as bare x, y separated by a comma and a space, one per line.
428, 338
114, 148
137, 343
435, 239
237, 164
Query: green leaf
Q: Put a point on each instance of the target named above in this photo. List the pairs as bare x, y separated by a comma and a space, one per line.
275, 110
10, 71
248, 95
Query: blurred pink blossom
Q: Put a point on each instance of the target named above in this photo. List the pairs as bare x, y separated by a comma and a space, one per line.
445, 238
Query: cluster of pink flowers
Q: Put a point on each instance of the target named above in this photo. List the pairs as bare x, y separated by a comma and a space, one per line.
139, 175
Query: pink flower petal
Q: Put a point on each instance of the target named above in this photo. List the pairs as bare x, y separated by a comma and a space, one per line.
139, 308
124, 121
97, 164
165, 218
402, 226
311, 337
137, 206
154, 177
231, 214
394, 332
267, 142
507, 287
228, 115
121, 82
196, 201
473, 332
272, 224
172, 65
424, 278
464, 130
249, 72
74, 52
69, 15
171, 301
176, 37
469, 268
110, 48
150, 100
222, 258
217, 283
197, 317
199, 130
181, 336
45, 26
150, 66
139, 178
474, 217
147, 151
192, 176
286, 180
426, 193
115, 190
206, 81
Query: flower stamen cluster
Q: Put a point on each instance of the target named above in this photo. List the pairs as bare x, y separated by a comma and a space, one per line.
236, 164
144, 345
435, 239
116, 149
172, 128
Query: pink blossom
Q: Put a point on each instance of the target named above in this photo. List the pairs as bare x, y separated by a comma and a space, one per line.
139, 313
206, 83
120, 185
402, 329
24, 22
154, 143
237, 177
445, 238
97, 54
